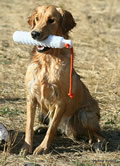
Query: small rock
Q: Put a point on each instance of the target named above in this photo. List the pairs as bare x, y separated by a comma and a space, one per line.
4, 136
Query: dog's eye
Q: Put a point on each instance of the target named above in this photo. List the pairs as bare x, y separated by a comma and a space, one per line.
36, 18
50, 20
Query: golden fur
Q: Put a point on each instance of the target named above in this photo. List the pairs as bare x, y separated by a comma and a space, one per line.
47, 85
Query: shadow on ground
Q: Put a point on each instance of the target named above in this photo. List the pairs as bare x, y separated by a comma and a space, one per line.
10, 100
63, 144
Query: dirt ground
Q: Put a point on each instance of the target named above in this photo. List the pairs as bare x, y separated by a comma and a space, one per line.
96, 40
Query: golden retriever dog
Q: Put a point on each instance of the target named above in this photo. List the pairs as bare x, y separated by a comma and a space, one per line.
47, 84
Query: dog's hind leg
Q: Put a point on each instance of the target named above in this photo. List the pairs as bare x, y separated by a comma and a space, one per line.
85, 123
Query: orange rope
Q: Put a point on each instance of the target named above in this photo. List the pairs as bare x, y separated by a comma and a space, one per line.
70, 94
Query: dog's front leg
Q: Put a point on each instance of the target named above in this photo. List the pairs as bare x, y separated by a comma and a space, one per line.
31, 107
51, 132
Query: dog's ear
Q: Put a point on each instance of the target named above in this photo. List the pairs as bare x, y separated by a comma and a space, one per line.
67, 21
31, 20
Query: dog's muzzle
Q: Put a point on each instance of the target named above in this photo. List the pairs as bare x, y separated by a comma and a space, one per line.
37, 36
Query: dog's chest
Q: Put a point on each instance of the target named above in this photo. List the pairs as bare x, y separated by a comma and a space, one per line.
44, 79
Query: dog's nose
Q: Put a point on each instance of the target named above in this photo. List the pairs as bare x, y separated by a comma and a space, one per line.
35, 34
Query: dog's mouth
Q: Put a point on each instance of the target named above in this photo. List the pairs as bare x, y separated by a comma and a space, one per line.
39, 37
42, 48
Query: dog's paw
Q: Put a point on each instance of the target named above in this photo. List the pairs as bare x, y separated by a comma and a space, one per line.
26, 149
100, 146
40, 150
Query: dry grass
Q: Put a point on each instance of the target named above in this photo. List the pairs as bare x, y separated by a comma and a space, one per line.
97, 47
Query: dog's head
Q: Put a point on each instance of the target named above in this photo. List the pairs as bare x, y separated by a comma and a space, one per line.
50, 20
